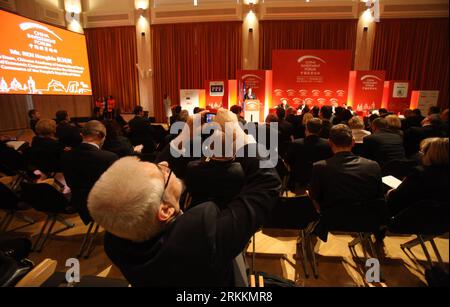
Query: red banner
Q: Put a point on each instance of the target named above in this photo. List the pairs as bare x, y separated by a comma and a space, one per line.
365, 91
311, 77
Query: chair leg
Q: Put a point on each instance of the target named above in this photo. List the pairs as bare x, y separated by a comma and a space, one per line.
436, 251
85, 239
305, 256
25, 218
253, 254
372, 246
410, 244
91, 247
313, 257
38, 240
425, 250
361, 238
6, 221
47, 234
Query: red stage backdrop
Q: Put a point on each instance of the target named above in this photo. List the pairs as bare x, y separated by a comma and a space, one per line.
313, 77
365, 90
396, 96
257, 80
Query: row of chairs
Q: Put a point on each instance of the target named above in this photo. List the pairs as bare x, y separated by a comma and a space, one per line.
43, 198
425, 219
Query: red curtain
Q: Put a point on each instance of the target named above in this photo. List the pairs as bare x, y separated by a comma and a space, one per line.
185, 55
304, 34
112, 61
416, 50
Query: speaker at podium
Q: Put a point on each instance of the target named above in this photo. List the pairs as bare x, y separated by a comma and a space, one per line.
251, 110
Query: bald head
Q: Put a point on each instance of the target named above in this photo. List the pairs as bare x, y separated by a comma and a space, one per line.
94, 132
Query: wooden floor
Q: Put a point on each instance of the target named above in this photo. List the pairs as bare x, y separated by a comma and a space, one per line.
337, 268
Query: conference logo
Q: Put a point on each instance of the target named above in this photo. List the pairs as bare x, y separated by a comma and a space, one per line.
303, 93
244, 77
334, 102
291, 93
278, 92
298, 101
370, 76
309, 101
310, 57
30, 25
321, 101
328, 93
315, 93
340, 93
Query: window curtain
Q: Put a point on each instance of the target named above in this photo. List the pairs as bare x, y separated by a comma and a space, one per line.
304, 34
416, 50
112, 61
185, 55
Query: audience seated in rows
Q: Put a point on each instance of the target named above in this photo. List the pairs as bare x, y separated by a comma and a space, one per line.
344, 179
428, 181
82, 166
383, 145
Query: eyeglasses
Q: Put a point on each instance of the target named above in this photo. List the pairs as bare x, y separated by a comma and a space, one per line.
163, 169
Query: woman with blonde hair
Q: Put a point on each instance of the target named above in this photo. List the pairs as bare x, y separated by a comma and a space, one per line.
426, 182
357, 125
394, 124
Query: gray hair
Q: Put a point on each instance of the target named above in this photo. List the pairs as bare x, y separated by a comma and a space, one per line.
126, 199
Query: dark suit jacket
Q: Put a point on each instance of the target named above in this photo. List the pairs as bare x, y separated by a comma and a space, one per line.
326, 127
303, 153
45, 154
198, 248
425, 183
68, 134
82, 167
225, 181
415, 135
345, 179
121, 146
141, 132
383, 147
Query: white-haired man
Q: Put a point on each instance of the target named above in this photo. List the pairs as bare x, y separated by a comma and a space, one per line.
154, 244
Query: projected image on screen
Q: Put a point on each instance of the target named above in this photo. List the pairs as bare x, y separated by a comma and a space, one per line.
40, 59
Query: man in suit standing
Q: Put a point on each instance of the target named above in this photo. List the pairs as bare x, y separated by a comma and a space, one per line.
344, 179
83, 166
249, 95
303, 153
383, 145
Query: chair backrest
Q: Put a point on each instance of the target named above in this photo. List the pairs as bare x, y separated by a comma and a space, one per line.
43, 197
364, 216
292, 213
399, 168
8, 199
425, 217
